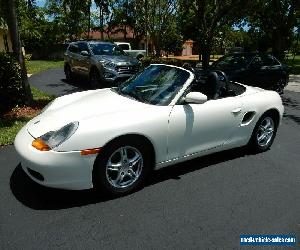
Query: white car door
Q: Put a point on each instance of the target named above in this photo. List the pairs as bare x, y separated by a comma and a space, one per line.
194, 128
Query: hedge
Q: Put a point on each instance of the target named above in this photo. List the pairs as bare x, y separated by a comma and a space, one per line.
11, 93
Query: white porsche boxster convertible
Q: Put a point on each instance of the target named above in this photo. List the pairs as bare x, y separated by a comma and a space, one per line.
111, 139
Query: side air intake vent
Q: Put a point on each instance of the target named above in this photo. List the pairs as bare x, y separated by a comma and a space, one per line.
248, 117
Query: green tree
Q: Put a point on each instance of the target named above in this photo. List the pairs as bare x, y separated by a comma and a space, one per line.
106, 11
276, 19
202, 20
70, 15
154, 18
10, 15
172, 40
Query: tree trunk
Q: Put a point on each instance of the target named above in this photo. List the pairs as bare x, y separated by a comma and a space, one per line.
125, 33
205, 49
101, 23
89, 21
17, 48
157, 46
279, 44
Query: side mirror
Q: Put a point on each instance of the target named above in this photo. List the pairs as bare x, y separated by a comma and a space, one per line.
84, 53
195, 97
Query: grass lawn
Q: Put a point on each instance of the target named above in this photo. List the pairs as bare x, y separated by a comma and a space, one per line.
13, 121
35, 66
294, 65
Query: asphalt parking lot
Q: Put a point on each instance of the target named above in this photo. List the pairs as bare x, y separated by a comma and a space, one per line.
201, 204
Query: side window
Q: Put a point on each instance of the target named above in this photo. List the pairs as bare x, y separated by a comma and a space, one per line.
267, 60
83, 47
124, 46
73, 48
256, 62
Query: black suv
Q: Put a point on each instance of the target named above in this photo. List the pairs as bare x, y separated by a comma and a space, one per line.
104, 63
253, 69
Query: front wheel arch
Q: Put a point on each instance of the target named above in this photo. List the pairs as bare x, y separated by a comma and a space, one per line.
137, 137
141, 141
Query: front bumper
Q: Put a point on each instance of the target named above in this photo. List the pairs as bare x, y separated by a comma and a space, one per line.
115, 76
65, 170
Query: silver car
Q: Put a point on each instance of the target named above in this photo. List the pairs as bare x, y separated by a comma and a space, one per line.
104, 63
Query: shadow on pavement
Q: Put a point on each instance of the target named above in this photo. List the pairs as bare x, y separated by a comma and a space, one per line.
77, 84
291, 106
38, 197
289, 102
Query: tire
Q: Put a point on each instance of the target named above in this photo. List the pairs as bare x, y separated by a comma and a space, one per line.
68, 73
121, 167
95, 79
280, 86
264, 133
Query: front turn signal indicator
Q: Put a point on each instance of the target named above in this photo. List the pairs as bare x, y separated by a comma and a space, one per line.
90, 151
40, 145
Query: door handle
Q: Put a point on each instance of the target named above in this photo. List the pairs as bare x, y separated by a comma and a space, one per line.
236, 111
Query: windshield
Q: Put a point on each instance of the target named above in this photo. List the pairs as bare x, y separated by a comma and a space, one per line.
106, 49
157, 84
233, 61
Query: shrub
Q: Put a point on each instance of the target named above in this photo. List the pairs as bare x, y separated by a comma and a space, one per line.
11, 93
28, 57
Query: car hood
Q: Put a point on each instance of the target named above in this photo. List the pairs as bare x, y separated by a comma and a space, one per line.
121, 60
80, 106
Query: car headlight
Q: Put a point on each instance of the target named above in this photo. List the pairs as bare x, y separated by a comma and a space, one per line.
109, 65
53, 139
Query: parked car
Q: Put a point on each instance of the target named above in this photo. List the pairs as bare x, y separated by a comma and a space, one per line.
111, 139
253, 69
138, 54
104, 63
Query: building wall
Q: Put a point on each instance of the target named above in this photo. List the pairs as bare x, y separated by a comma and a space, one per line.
5, 42
187, 48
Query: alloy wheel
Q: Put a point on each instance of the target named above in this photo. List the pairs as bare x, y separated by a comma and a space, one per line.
265, 132
124, 167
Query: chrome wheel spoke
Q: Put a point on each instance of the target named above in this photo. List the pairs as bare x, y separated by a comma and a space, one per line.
268, 124
262, 137
119, 178
124, 156
114, 166
134, 160
132, 174
262, 128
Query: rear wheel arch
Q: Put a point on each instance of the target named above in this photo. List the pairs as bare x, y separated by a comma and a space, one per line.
274, 114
